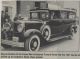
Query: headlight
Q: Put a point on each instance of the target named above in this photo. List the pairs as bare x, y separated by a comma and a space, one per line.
20, 27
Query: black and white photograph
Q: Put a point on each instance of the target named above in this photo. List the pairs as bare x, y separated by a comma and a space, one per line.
40, 25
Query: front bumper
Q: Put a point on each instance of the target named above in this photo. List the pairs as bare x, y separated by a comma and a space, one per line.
12, 43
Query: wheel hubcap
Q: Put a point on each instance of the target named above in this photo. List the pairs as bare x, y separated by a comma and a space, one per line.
34, 44
46, 33
72, 31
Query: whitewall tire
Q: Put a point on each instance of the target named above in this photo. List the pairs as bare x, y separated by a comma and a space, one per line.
46, 32
32, 43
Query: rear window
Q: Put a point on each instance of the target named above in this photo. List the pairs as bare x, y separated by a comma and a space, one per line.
62, 14
72, 15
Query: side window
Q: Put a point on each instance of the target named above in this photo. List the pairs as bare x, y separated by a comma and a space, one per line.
44, 15
55, 15
72, 15
64, 15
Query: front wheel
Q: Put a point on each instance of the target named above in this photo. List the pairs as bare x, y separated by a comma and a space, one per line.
32, 43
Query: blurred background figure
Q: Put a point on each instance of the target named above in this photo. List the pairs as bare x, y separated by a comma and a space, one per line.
2, 18
18, 17
7, 17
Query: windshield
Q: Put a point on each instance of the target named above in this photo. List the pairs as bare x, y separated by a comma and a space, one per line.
34, 15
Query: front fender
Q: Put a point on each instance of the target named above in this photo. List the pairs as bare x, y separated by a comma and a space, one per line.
30, 31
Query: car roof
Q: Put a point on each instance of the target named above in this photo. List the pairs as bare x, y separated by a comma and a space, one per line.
39, 10
47, 10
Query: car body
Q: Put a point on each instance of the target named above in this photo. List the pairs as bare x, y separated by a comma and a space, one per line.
43, 25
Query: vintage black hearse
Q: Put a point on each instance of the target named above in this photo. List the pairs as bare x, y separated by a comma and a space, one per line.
43, 25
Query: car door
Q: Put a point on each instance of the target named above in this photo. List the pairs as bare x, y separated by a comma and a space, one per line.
56, 23
68, 20
64, 17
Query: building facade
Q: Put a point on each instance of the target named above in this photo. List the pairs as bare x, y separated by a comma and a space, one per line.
10, 7
23, 7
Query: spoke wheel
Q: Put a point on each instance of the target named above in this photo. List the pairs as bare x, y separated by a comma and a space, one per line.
46, 32
72, 33
32, 43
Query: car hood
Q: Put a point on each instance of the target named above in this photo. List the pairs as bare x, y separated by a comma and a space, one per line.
27, 21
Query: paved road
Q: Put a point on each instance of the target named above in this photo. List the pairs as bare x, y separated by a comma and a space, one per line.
60, 45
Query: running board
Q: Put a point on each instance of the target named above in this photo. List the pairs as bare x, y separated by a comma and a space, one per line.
57, 38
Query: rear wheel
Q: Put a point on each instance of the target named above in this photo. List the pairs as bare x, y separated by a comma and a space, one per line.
72, 33
46, 32
32, 43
